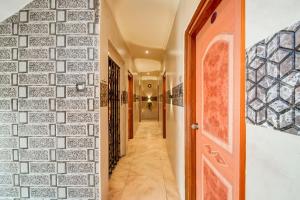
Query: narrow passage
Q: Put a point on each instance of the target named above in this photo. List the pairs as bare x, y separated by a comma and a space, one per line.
145, 172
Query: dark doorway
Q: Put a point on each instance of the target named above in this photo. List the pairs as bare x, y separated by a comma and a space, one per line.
130, 106
164, 106
113, 113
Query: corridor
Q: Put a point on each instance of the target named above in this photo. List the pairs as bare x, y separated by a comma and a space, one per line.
145, 172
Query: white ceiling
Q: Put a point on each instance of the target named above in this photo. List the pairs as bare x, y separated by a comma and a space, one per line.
147, 65
147, 78
10, 7
146, 23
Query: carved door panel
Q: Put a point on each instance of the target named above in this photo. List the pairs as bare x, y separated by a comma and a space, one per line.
218, 60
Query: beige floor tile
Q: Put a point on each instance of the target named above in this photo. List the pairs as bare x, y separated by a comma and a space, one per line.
171, 188
144, 188
115, 195
145, 173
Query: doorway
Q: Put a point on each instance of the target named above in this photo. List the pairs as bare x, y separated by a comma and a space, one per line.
214, 101
164, 107
130, 106
113, 114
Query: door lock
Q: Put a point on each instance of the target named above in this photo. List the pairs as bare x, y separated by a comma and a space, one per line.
195, 126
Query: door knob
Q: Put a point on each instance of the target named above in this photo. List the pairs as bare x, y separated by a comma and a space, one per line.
195, 126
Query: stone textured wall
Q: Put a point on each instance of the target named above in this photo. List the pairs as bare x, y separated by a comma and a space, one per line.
273, 81
48, 130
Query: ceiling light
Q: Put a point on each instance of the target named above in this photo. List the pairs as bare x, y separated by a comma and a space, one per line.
147, 52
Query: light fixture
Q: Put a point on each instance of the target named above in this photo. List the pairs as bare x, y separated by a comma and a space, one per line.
80, 87
148, 73
147, 52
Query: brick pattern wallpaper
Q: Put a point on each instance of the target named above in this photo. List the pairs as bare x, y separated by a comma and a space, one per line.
49, 145
273, 81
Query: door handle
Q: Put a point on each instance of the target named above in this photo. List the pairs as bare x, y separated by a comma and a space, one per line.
195, 126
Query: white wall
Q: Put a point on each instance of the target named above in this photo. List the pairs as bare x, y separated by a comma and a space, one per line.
136, 103
174, 65
265, 17
273, 157
273, 160
10, 7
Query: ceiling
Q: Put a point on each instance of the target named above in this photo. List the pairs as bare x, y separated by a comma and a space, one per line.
153, 75
147, 65
145, 22
145, 25
8, 8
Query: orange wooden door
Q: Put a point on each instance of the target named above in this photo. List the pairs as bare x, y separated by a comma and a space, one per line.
164, 107
218, 105
130, 106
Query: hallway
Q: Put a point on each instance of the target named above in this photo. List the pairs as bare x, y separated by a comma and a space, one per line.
145, 172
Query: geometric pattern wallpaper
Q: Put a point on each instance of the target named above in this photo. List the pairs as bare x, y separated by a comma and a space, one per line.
49, 127
176, 97
273, 81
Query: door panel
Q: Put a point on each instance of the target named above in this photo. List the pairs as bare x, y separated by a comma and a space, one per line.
215, 186
164, 107
130, 106
218, 104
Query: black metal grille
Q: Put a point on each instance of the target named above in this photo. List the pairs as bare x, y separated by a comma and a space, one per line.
113, 113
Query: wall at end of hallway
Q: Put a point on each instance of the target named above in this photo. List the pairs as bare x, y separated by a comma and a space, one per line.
149, 107
174, 66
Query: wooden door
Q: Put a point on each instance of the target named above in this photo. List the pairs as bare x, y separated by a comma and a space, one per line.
215, 101
218, 104
130, 106
164, 107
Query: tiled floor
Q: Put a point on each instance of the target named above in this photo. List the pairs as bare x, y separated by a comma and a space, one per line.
145, 172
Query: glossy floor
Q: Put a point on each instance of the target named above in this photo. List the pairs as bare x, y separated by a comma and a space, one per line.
145, 172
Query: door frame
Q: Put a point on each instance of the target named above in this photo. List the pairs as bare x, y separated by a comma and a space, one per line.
130, 105
164, 105
201, 15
